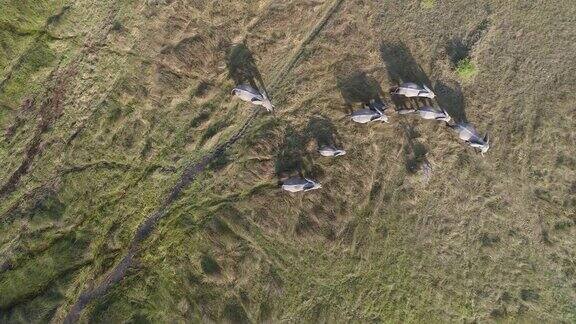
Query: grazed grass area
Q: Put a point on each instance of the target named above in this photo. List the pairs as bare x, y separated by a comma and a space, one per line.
482, 239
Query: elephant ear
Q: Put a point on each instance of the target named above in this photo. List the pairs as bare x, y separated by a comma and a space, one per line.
377, 109
255, 100
264, 95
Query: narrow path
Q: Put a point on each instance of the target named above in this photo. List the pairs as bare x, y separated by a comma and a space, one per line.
309, 38
189, 175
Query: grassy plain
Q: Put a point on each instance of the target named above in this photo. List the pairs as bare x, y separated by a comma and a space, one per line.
104, 105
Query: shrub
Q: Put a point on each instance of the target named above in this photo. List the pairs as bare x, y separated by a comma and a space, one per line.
209, 265
428, 4
465, 68
117, 26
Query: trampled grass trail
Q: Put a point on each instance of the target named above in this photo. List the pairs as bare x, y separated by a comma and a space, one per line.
144, 230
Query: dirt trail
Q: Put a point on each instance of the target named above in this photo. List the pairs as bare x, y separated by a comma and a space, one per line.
145, 228
309, 38
189, 175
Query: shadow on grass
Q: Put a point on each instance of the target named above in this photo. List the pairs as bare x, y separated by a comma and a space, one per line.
459, 48
233, 312
451, 99
294, 158
402, 67
358, 87
220, 162
242, 67
401, 64
323, 131
290, 157
414, 152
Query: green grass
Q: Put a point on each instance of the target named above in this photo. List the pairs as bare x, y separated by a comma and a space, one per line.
26, 78
377, 243
428, 4
20, 23
33, 276
466, 69
28, 15
213, 129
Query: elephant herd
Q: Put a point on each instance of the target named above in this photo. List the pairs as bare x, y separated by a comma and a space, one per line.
372, 111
